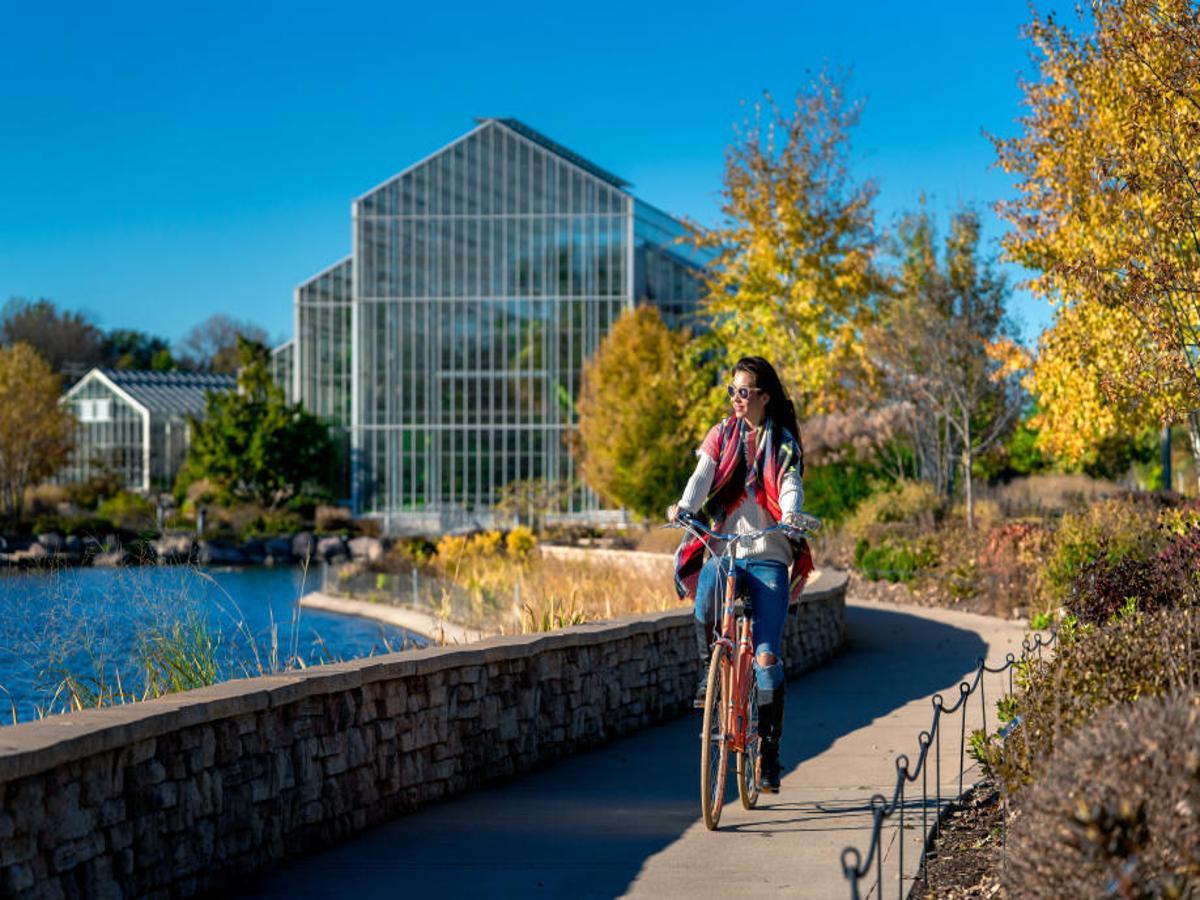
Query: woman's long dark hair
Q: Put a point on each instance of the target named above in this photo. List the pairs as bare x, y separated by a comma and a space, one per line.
780, 410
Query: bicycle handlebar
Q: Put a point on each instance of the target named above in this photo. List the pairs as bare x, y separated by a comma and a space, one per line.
685, 519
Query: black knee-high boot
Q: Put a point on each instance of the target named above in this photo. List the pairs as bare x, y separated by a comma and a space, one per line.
770, 731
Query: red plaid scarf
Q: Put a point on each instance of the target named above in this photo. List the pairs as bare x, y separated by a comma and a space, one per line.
740, 473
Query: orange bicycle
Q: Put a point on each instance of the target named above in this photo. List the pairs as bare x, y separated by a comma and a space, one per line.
731, 700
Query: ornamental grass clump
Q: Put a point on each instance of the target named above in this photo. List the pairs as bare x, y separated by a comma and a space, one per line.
1117, 810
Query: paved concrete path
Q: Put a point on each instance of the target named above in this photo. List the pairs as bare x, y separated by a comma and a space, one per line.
625, 819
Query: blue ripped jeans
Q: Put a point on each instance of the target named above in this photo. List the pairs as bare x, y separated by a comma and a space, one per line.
766, 581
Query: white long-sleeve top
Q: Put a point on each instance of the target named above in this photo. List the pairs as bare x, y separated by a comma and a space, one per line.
748, 516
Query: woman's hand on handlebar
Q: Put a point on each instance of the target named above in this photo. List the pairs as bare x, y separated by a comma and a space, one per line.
801, 522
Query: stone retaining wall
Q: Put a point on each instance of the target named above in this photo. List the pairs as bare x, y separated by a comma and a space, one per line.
181, 795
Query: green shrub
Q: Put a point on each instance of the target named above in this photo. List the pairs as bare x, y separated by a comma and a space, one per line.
90, 526
306, 502
831, 492
894, 559
273, 522
129, 511
1116, 529
88, 494
48, 524
1119, 804
906, 502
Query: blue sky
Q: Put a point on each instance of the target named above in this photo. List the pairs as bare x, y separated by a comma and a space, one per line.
166, 161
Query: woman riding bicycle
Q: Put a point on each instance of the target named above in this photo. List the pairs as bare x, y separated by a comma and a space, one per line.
748, 477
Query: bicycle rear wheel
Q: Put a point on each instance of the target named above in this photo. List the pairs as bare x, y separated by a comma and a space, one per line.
714, 746
747, 761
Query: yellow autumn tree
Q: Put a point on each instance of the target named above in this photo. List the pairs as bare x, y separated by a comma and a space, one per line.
794, 268
635, 442
1086, 361
35, 430
1108, 168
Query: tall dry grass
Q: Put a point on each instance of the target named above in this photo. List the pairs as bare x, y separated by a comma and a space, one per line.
1038, 495
505, 585
539, 593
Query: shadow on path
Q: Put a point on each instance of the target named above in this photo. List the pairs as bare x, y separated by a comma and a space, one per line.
585, 826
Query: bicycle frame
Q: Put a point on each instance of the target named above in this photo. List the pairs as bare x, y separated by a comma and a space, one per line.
739, 649
728, 716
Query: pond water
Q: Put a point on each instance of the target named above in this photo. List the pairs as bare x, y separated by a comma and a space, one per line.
97, 626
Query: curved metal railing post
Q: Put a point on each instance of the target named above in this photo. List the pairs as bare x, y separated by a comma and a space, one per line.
982, 700
902, 778
938, 705
924, 740
964, 691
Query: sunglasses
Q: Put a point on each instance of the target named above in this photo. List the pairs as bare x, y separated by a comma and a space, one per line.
742, 393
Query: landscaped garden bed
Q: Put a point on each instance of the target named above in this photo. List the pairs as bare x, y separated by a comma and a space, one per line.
967, 858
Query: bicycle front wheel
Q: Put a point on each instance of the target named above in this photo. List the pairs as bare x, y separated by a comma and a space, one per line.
714, 746
747, 761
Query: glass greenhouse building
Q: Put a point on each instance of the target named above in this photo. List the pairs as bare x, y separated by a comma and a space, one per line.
447, 349
135, 424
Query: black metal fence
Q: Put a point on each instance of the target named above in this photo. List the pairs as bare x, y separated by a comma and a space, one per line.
857, 866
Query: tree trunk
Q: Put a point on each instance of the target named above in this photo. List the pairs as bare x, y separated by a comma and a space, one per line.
1166, 459
967, 478
946, 458
1194, 435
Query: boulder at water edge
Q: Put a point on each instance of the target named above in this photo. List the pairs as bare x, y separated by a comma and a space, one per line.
304, 545
332, 549
366, 548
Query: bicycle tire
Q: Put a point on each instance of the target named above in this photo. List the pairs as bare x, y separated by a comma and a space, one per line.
747, 761
714, 741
